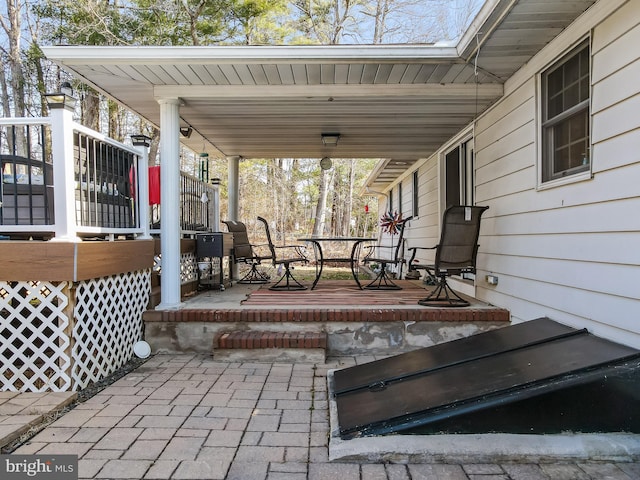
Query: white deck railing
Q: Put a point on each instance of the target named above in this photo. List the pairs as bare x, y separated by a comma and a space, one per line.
62, 179
104, 178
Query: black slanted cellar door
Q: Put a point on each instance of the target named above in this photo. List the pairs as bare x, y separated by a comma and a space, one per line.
457, 386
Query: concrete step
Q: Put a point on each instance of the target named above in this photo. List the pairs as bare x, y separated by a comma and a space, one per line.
270, 346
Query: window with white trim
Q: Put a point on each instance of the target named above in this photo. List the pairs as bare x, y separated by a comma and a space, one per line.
566, 116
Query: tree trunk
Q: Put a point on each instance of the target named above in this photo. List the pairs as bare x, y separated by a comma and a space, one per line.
91, 109
13, 31
321, 207
348, 203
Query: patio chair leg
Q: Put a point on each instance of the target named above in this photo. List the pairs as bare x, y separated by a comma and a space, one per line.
254, 276
382, 281
290, 283
443, 296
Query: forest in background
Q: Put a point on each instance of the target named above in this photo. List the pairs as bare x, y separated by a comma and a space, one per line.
295, 194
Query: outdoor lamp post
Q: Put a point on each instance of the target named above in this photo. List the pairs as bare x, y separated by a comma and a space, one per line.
63, 98
141, 140
61, 108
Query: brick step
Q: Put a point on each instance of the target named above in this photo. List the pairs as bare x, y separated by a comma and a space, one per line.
270, 346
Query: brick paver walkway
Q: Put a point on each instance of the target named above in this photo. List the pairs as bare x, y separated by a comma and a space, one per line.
190, 417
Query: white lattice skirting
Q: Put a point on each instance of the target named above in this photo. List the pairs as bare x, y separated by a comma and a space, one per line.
60, 336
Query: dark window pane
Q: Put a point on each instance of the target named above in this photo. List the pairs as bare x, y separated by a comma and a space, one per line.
554, 82
577, 127
572, 70
561, 160
452, 161
584, 89
555, 106
561, 135
571, 96
584, 63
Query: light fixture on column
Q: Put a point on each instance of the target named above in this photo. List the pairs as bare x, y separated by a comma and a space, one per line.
330, 139
140, 140
325, 163
63, 98
186, 131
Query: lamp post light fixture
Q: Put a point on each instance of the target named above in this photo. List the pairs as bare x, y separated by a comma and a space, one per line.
63, 98
330, 139
140, 140
325, 163
186, 131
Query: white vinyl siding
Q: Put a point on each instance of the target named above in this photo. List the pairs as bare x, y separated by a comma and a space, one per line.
568, 252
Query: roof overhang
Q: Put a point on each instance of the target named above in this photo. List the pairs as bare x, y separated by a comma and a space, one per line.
399, 103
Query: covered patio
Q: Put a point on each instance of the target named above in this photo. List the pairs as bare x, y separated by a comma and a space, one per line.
398, 103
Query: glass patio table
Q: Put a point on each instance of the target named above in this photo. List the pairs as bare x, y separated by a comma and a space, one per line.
352, 260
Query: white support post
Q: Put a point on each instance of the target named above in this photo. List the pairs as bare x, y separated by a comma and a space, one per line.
64, 190
233, 195
143, 191
214, 206
170, 203
234, 169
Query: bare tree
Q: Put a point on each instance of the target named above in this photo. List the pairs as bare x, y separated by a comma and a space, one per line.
12, 26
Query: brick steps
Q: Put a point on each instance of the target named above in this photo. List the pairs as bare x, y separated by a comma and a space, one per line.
271, 346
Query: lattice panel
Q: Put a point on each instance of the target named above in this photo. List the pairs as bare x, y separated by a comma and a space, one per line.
34, 349
108, 316
188, 268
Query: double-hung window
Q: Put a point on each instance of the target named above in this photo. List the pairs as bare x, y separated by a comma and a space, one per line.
566, 116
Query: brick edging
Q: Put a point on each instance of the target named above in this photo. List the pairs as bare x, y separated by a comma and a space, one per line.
324, 315
254, 339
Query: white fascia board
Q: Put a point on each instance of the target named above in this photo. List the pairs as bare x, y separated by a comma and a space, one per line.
479, 25
88, 55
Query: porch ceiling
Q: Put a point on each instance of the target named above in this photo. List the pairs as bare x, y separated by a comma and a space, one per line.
394, 102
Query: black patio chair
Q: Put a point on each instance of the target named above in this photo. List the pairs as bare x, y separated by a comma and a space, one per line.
383, 280
455, 254
248, 253
289, 254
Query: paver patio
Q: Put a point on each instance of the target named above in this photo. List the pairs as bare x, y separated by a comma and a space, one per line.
190, 417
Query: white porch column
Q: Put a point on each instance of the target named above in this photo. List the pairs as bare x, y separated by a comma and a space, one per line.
232, 193
214, 212
234, 169
170, 203
64, 190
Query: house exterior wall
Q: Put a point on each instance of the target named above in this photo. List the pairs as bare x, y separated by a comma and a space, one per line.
567, 252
